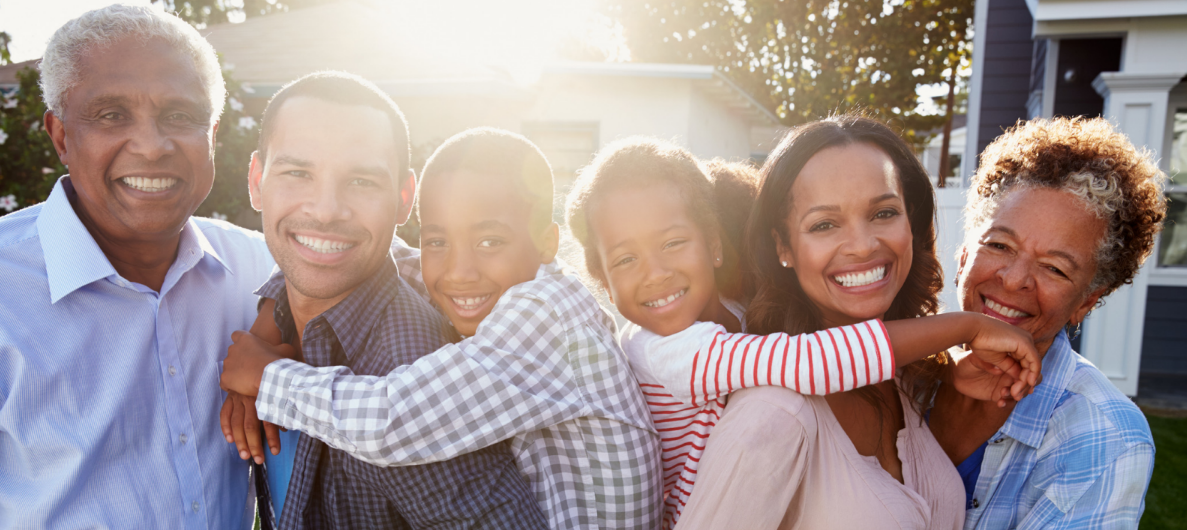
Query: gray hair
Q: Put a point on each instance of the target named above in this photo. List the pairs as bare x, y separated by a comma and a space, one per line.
1098, 192
60, 68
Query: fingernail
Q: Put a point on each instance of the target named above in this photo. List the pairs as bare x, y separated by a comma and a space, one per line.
229, 439
259, 460
243, 455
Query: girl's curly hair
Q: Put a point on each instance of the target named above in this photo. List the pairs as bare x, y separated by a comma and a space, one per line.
1091, 159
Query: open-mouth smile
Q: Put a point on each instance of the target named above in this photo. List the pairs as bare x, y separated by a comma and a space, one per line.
322, 246
1003, 310
861, 279
149, 184
661, 302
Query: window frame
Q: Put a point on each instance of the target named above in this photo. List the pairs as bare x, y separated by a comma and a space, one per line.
1175, 275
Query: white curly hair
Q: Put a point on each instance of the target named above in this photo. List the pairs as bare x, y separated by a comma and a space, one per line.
60, 67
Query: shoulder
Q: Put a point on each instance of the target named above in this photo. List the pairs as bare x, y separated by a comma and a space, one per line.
1091, 405
19, 226
224, 235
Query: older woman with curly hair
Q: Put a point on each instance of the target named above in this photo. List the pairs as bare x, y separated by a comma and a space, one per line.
1061, 213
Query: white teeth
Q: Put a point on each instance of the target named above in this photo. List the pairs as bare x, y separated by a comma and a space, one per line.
323, 246
470, 303
1003, 310
149, 184
858, 279
665, 301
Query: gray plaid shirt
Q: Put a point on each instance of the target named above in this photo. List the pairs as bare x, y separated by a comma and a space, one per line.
381, 325
543, 370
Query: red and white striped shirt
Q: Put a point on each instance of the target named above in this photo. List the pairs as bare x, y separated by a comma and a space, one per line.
686, 378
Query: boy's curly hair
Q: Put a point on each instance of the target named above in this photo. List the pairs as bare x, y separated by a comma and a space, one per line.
1091, 159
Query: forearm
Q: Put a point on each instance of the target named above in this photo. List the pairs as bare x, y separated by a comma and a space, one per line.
435, 409
917, 338
708, 363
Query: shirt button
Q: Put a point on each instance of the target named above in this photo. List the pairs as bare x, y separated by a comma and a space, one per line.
172, 370
182, 438
975, 504
195, 506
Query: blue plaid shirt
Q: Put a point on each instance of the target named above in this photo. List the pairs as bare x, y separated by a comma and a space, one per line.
1075, 454
384, 324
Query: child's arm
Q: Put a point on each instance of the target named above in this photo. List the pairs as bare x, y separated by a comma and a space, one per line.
506, 380
704, 362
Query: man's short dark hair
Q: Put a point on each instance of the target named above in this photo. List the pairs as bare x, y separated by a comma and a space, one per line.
503, 155
343, 88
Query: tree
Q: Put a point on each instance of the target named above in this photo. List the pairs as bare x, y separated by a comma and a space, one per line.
202, 13
805, 59
29, 166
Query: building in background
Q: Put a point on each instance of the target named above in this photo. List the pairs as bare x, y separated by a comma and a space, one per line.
571, 109
1125, 60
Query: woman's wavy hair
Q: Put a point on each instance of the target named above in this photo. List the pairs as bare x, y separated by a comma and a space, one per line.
780, 304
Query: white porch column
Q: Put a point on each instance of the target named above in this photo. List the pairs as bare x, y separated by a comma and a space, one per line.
1137, 104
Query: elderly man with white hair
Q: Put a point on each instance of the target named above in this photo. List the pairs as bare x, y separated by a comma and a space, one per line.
117, 304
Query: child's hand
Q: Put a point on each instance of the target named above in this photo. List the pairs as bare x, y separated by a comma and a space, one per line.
1001, 350
241, 426
983, 381
246, 359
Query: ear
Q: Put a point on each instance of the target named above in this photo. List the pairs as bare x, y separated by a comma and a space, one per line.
716, 250
548, 243
57, 135
1090, 301
961, 258
407, 197
785, 255
255, 178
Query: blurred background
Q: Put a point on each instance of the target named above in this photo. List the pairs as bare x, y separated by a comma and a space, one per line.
724, 78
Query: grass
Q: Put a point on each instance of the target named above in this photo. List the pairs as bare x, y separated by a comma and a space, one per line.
1166, 502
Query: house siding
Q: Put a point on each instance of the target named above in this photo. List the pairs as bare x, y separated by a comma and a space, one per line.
1165, 331
1006, 70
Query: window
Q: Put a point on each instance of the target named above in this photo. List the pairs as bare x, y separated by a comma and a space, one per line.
1172, 251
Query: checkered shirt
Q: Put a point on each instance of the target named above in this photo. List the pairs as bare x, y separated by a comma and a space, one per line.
383, 324
543, 371
1075, 454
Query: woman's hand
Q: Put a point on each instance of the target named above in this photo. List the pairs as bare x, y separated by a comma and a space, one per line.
1007, 348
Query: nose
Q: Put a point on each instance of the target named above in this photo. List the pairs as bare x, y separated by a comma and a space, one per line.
149, 141
658, 271
327, 204
461, 266
861, 242
1016, 274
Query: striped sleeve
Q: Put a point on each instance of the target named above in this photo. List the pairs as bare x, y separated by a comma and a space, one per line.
704, 362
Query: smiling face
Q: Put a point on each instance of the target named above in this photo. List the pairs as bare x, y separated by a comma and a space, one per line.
136, 133
1033, 262
476, 242
332, 189
849, 239
657, 263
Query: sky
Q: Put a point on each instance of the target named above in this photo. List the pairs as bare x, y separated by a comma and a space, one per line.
31, 23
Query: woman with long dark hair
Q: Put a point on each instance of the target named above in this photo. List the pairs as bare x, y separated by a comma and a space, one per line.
843, 232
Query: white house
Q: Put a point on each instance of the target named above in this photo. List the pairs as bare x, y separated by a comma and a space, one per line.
1125, 60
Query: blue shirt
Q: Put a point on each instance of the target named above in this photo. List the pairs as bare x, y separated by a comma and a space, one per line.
1075, 454
109, 397
280, 468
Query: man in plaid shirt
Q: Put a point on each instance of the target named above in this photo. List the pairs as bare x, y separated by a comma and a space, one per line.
539, 365
332, 180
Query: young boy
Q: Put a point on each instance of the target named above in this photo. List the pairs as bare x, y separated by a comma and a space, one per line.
539, 364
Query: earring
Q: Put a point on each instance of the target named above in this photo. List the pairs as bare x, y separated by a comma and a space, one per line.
784, 264
1076, 332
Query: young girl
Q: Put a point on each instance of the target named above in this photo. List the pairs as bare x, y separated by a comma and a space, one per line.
651, 226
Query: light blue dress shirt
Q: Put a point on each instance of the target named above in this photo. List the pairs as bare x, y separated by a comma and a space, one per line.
109, 396
1075, 454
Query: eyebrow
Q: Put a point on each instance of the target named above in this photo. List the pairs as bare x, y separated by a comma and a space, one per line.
1057, 253
492, 224
373, 171
292, 161
835, 208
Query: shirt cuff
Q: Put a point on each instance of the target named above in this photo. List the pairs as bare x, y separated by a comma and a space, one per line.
274, 403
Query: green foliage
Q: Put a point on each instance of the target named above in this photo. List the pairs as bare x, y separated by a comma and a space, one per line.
202, 13
1168, 487
29, 166
237, 135
806, 59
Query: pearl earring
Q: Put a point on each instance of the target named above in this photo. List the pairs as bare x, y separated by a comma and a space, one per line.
784, 264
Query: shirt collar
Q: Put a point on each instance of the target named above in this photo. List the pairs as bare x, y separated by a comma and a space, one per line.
72, 257
1028, 422
351, 319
